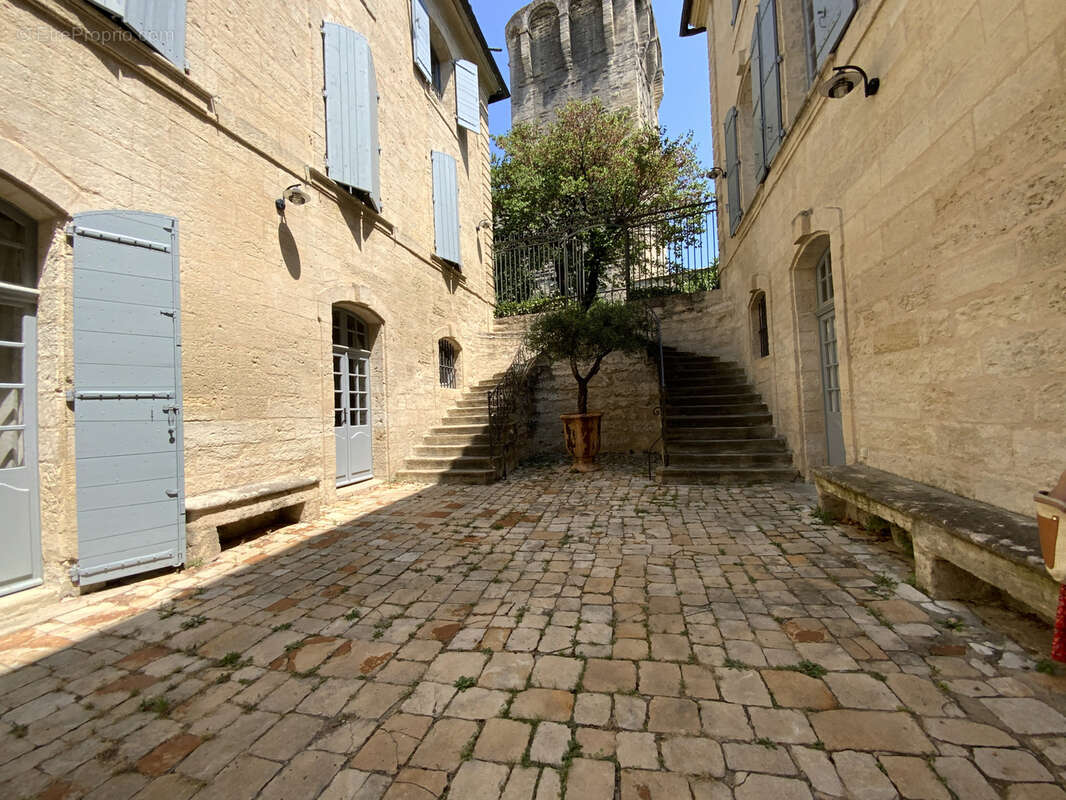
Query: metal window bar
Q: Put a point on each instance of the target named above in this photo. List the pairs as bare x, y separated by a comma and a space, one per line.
446, 356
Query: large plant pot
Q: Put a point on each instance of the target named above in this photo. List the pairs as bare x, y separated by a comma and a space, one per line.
582, 432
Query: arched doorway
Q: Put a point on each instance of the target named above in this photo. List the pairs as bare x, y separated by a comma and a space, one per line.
351, 397
20, 537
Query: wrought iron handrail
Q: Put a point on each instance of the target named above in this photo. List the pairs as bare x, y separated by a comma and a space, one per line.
660, 412
504, 402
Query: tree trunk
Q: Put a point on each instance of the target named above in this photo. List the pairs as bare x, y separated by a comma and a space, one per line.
582, 396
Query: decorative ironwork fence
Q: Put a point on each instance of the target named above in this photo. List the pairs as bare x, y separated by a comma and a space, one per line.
510, 405
671, 252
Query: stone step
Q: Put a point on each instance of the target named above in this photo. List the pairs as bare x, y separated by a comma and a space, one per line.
475, 476
715, 420
673, 476
467, 415
452, 450
481, 401
694, 399
728, 461
446, 429
708, 390
714, 446
450, 439
442, 464
716, 409
673, 380
717, 433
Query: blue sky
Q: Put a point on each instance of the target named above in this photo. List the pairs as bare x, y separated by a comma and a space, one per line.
686, 103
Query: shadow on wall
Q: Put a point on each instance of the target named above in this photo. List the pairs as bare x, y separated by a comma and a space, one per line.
289, 251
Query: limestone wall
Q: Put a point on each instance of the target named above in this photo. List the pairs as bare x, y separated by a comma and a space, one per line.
562, 50
95, 123
626, 390
942, 201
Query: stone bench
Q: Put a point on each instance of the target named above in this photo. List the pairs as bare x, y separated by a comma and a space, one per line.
955, 539
295, 496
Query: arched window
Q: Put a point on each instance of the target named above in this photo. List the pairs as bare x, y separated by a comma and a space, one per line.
545, 49
448, 357
586, 29
760, 325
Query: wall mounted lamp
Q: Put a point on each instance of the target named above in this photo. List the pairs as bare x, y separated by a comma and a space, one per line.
295, 194
716, 173
846, 78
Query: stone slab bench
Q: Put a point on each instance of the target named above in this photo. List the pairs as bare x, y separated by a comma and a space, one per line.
298, 495
955, 539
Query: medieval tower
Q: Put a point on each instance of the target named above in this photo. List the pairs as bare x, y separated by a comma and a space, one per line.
562, 50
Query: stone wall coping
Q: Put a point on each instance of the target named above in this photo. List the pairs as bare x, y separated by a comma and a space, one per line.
1005, 533
222, 498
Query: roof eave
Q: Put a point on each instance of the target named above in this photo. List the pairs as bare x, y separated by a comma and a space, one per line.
501, 93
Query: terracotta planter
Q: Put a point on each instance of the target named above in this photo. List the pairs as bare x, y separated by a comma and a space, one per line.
1051, 524
582, 432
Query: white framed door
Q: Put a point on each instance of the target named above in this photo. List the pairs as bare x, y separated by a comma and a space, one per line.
351, 398
20, 510
830, 362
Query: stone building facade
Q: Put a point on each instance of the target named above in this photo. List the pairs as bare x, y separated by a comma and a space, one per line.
908, 246
294, 332
562, 50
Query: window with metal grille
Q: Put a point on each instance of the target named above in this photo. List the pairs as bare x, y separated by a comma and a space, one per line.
447, 354
762, 328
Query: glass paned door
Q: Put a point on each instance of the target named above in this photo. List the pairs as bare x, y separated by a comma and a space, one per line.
20, 543
830, 361
351, 399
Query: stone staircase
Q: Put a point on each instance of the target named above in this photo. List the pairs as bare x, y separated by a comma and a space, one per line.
456, 451
716, 428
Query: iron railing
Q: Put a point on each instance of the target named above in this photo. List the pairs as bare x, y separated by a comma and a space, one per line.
670, 252
660, 411
510, 405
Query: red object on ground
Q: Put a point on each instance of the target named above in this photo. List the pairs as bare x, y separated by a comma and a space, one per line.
1058, 644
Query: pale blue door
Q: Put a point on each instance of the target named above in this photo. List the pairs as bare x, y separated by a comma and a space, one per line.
351, 398
830, 360
20, 537
127, 395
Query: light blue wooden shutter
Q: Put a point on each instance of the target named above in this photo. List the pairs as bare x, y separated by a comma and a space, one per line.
116, 7
351, 92
770, 62
446, 207
127, 394
767, 131
467, 96
758, 149
831, 19
732, 159
160, 23
420, 38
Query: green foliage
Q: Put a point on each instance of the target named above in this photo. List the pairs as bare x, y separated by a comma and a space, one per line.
583, 337
534, 305
590, 166
679, 283
464, 682
158, 705
808, 668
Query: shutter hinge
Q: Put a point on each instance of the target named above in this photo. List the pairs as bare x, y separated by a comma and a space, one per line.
167, 313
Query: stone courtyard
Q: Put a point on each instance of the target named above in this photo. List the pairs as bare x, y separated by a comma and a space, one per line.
588, 636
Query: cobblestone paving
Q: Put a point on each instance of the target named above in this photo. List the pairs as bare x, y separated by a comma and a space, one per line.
594, 635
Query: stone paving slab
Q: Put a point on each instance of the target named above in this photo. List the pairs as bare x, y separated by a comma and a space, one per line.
588, 636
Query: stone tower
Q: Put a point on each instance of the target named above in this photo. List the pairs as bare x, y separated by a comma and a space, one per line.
579, 49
